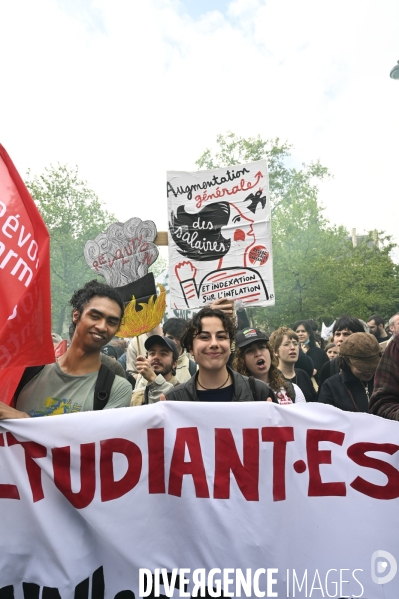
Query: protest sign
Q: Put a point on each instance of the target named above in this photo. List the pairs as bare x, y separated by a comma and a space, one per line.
124, 252
163, 279
283, 502
220, 240
122, 256
25, 302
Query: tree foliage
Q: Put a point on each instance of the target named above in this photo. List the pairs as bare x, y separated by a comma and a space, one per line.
318, 273
73, 214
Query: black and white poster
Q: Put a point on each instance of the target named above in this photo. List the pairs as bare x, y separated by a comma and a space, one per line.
220, 239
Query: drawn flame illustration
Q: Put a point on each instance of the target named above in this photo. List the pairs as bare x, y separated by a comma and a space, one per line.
138, 322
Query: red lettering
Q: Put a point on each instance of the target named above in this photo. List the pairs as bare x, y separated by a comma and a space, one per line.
357, 453
32, 450
318, 456
227, 459
111, 488
62, 474
147, 259
8, 491
280, 436
156, 460
178, 467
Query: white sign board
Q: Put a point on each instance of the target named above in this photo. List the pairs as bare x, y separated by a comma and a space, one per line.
220, 240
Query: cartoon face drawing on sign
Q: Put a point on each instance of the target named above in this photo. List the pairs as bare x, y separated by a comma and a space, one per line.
240, 233
212, 233
220, 236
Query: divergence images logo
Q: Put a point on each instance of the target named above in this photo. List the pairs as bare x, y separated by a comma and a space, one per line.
379, 564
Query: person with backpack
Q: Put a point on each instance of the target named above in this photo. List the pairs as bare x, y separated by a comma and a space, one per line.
77, 381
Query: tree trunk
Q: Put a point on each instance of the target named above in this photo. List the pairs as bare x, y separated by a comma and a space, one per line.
61, 318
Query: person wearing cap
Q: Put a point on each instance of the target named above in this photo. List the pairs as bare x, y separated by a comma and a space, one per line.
342, 329
174, 328
157, 372
254, 357
351, 389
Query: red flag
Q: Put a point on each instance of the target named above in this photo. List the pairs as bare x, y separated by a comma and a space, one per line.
25, 300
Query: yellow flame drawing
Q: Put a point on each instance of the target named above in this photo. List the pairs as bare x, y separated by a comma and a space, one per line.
138, 322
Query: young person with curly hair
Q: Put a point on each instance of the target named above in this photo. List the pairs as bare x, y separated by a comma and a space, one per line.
97, 312
208, 337
254, 357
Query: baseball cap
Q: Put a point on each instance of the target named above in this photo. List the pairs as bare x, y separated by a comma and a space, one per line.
110, 351
154, 339
247, 336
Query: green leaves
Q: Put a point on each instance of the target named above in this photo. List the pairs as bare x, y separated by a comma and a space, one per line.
318, 273
73, 214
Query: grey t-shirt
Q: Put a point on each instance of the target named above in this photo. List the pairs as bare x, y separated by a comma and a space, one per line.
53, 391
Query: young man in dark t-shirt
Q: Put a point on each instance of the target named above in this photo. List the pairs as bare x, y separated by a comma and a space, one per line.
208, 337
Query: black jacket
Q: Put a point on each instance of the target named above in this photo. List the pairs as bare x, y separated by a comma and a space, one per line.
305, 362
304, 383
241, 389
328, 369
346, 392
319, 358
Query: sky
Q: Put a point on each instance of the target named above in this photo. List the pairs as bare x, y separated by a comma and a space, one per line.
127, 90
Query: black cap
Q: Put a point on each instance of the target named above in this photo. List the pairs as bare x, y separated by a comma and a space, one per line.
162, 341
247, 336
109, 350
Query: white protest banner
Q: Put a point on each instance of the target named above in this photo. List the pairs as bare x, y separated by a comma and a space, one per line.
220, 240
257, 499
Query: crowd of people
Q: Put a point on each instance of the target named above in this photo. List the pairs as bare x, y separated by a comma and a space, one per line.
217, 356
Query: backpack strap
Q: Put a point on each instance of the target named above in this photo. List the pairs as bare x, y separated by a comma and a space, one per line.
292, 394
103, 387
29, 373
192, 367
252, 384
